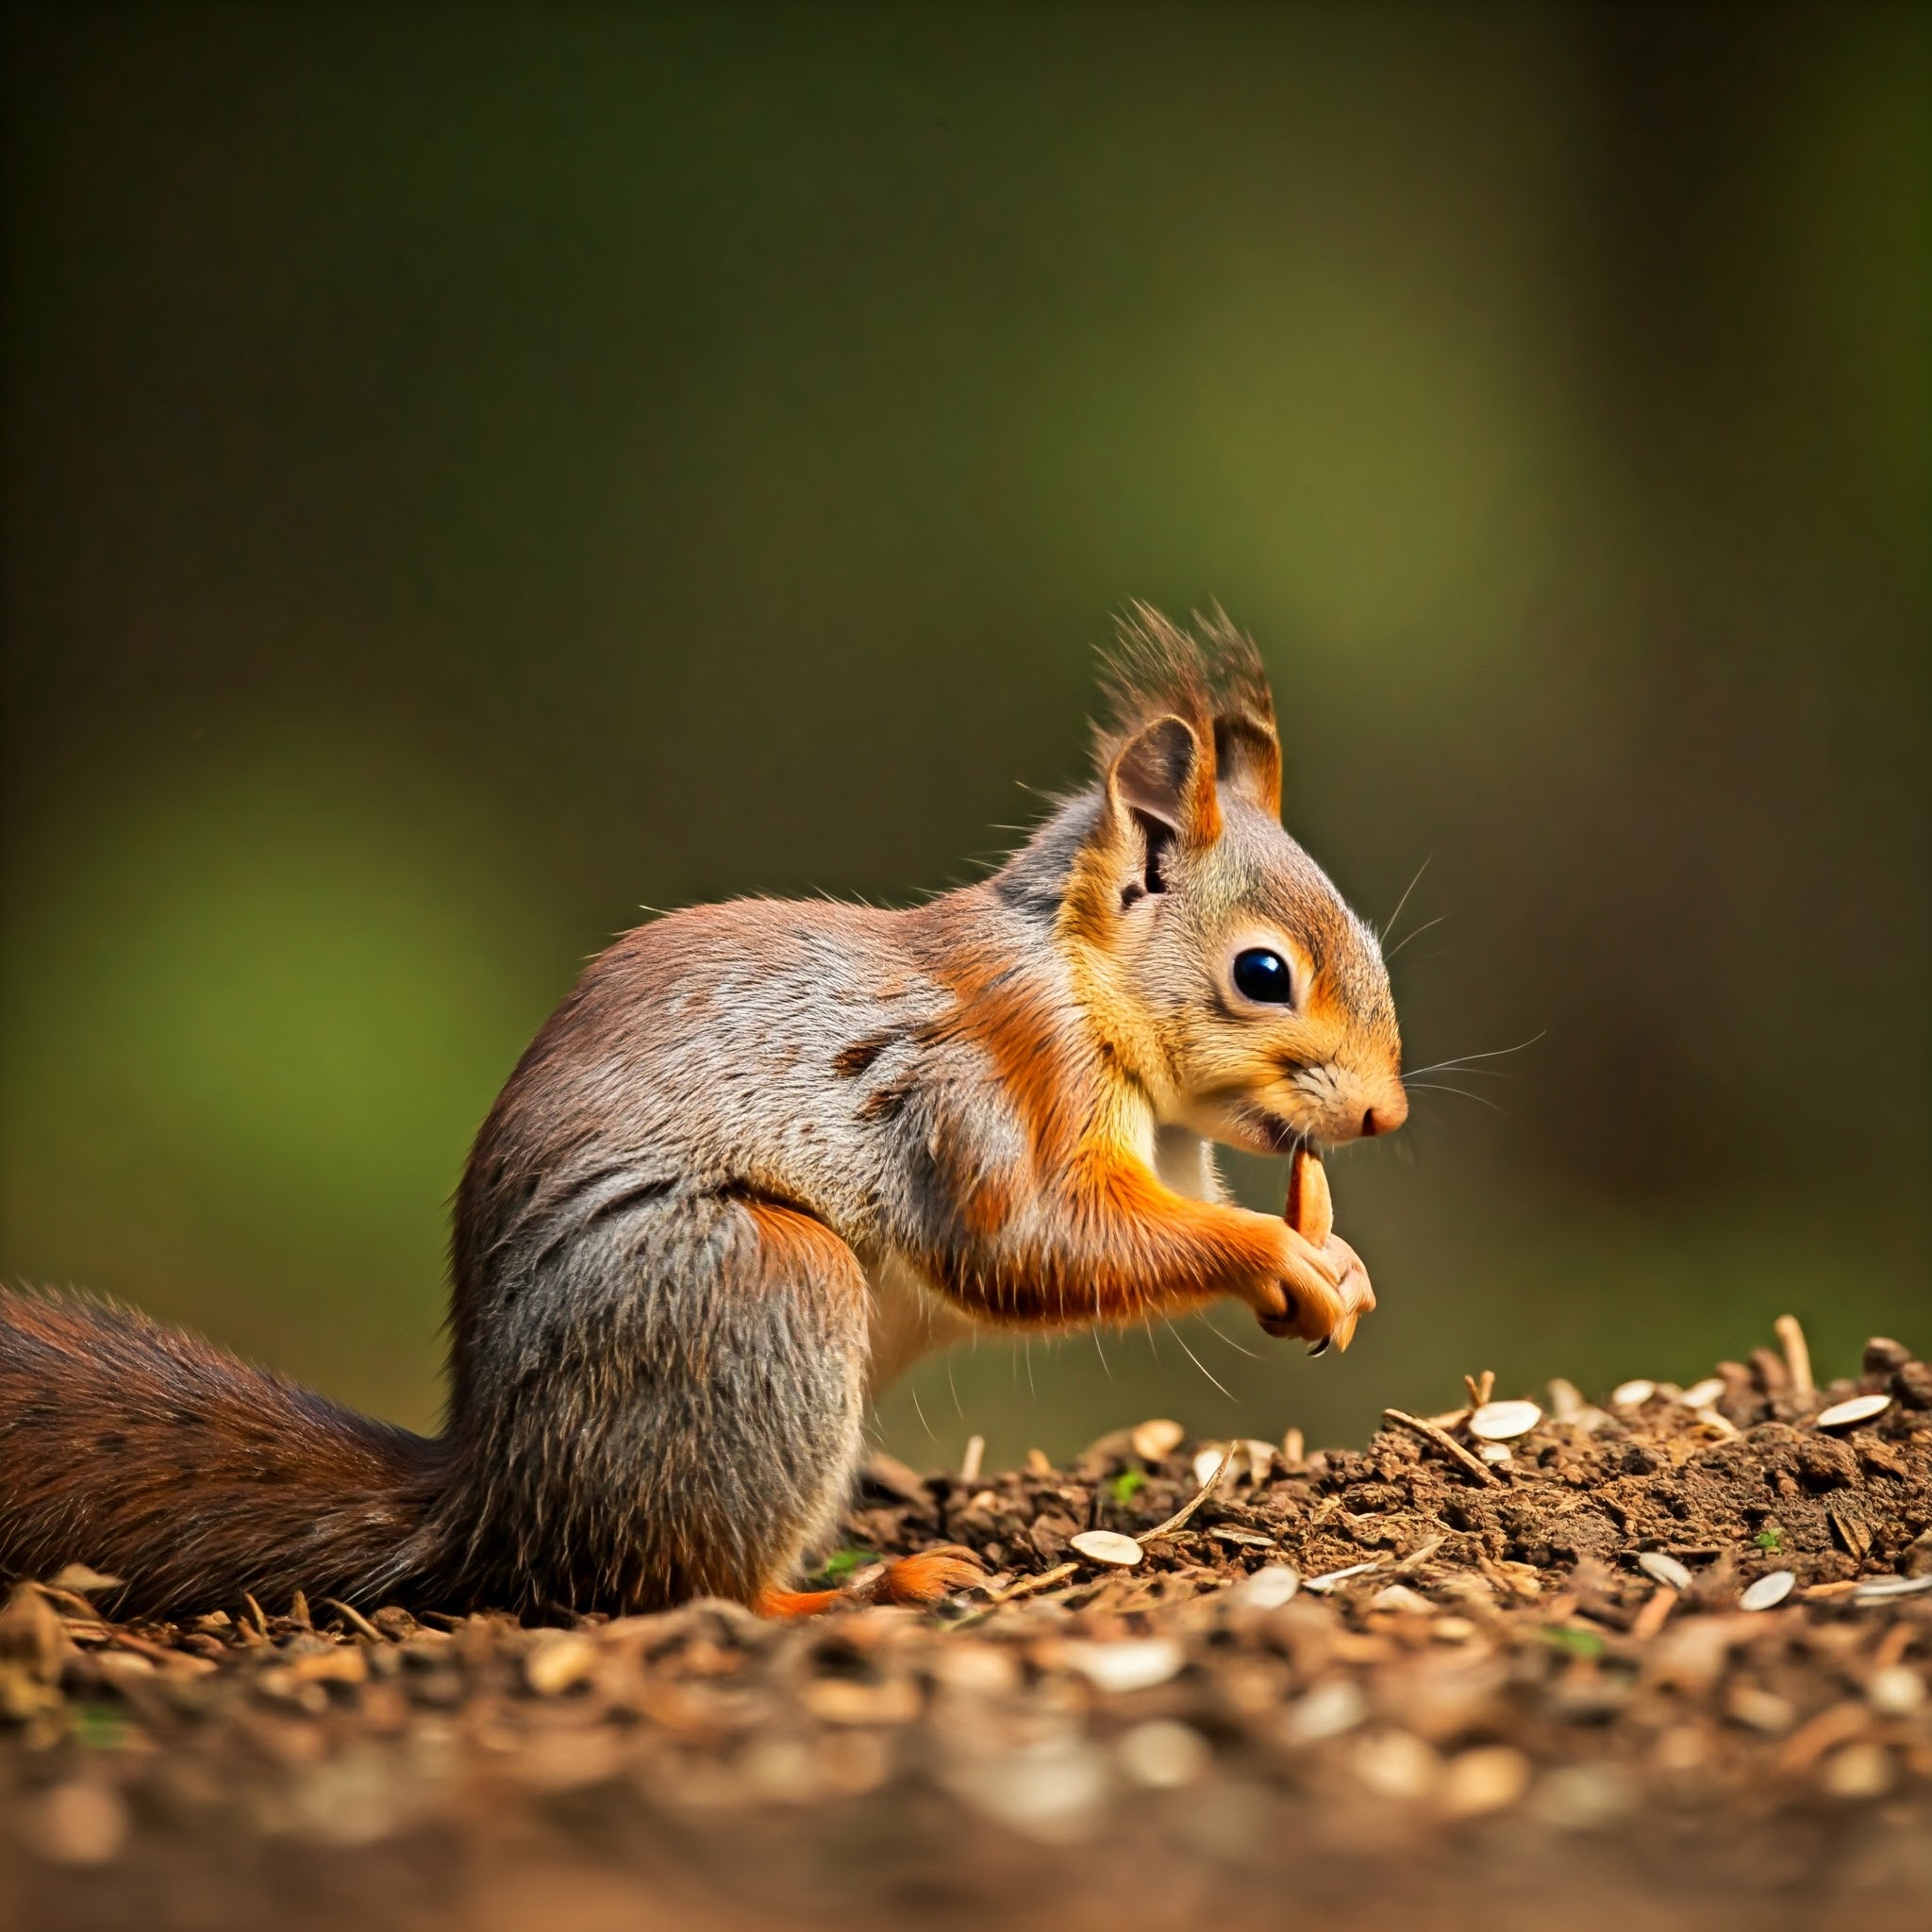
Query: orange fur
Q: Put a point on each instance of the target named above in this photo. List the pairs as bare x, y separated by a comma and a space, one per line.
917, 1582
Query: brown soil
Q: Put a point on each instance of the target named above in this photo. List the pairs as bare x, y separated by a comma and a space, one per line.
1506, 1720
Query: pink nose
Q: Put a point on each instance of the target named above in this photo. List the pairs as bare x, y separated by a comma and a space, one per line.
1385, 1116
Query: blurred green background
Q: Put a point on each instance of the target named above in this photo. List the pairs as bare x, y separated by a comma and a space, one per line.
469, 474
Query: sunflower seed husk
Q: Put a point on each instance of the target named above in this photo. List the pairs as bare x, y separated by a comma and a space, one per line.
1268, 1589
1663, 1568
1768, 1592
1135, 1663
1702, 1394
1881, 1589
1106, 1546
1157, 1438
1633, 1394
1245, 1538
1859, 1408
1502, 1421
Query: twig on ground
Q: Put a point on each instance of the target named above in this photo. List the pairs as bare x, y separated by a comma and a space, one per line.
1187, 1509
1447, 1444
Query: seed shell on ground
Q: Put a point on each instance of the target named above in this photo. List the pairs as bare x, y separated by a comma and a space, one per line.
1859, 1408
1702, 1394
1768, 1592
1135, 1663
1106, 1546
1268, 1589
1502, 1421
1663, 1568
1157, 1438
1632, 1394
1882, 1589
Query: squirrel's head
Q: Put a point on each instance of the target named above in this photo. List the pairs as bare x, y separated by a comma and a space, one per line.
1225, 972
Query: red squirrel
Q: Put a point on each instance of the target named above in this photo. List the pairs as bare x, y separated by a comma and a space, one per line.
763, 1155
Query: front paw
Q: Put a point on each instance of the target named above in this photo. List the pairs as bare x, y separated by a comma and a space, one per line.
1323, 1293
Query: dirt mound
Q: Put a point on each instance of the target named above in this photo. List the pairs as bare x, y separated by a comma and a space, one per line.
1666, 1655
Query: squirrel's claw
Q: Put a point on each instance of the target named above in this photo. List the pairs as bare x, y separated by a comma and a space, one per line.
1324, 1299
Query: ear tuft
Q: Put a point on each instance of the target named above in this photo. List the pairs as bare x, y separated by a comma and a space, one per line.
1212, 683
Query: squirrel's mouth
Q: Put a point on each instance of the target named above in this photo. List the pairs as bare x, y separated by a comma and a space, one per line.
1281, 1138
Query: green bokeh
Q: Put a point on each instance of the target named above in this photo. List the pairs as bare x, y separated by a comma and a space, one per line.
468, 476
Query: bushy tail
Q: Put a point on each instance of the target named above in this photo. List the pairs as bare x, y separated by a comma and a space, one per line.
153, 1457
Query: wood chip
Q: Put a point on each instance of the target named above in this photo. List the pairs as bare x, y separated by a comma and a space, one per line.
1852, 1532
1447, 1444
1322, 1585
1663, 1568
353, 1617
1032, 1586
1398, 1596
1502, 1421
1655, 1613
1108, 1547
1797, 1353
559, 1662
80, 1579
1768, 1592
1857, 1409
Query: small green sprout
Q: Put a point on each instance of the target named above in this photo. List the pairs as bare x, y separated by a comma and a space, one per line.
1577, 1642
842, 1564
1769, 1538
1128, 1484
97, 1727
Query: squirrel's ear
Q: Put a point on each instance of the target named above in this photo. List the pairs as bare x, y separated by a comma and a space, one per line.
1247, 760
1164, 773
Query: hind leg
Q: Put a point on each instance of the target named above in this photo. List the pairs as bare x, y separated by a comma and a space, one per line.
679, 1411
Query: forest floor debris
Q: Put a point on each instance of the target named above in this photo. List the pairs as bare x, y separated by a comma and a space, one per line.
1666, 1657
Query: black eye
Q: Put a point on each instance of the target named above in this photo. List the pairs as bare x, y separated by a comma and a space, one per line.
1260, 975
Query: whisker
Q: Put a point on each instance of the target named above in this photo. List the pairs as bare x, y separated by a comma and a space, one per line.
1230, 1341
1433, 1087
1403, 900
1390, 952
1494, 1054
1197, 1362
1100, 1353
918, 1409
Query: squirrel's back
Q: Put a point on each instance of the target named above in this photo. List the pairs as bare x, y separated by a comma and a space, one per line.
150, 1455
